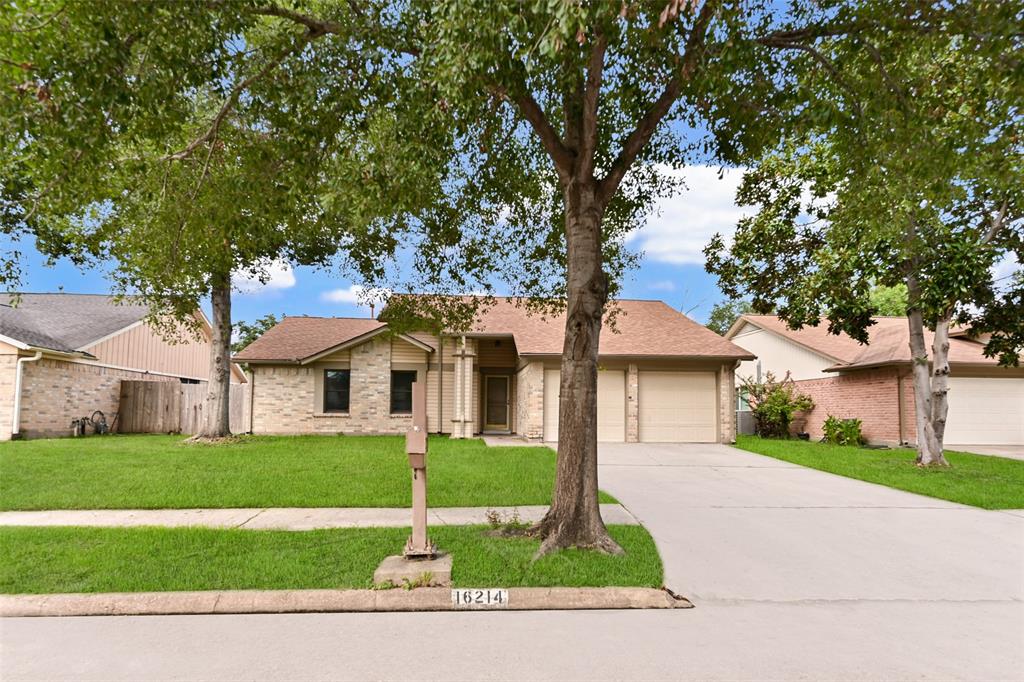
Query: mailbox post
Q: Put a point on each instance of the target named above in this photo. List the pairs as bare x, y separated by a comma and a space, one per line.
418, 545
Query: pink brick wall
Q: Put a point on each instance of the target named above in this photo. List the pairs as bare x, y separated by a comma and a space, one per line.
868, 395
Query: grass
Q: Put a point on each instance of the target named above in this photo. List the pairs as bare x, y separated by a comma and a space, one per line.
976, 480
163, 472
70, 559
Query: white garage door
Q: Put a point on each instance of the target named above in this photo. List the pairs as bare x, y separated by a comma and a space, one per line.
985, 411
611, 405
678, 407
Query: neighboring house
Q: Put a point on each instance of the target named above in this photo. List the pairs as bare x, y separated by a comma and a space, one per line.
63, 356
872, 382
662, 377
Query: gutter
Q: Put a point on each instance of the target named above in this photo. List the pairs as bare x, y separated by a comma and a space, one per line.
16, 417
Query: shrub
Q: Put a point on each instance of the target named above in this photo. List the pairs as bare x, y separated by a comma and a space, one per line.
773, 404
843, 431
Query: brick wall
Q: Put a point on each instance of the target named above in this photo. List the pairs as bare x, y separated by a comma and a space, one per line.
726, 404
530, 400
868, 395
284, 397
54, 392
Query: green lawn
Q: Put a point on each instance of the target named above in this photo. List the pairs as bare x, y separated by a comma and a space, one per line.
67, 559
152, 472
978, 480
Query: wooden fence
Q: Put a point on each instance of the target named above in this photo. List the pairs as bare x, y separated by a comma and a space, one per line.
172, 407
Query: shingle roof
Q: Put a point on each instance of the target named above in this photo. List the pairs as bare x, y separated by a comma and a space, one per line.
644, 328
888, 343
296, 338
66, 322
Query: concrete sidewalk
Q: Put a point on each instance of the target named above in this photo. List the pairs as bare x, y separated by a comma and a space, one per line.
295, 518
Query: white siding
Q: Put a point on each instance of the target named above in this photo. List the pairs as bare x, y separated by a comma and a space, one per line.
778, 355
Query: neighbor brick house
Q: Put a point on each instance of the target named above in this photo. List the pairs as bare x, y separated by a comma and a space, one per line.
662, 376
63, 356
872, 382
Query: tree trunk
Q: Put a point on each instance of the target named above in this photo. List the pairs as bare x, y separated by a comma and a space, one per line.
940, 387
929, 448
217, 415
574, 519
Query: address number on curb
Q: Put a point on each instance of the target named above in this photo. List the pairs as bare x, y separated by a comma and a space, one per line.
479, 599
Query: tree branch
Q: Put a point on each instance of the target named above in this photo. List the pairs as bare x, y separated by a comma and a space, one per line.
549, 139
997, 223
591, 95
232, 100
316, 27
648, 123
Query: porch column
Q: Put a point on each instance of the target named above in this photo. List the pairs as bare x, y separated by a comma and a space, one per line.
465, 408
632, 404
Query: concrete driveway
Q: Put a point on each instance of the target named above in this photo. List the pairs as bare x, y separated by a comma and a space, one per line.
796, 574
732, 525
1011, 451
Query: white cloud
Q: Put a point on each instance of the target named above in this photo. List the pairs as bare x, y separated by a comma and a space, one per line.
271, 275
663, 285
682, 225
355, 294
1003, 271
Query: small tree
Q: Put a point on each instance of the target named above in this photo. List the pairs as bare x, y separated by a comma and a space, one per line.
774, 403
891, 301
725, 313
914, 157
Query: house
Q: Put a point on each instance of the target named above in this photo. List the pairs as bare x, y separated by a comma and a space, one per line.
872, 382
662, 376
63, 356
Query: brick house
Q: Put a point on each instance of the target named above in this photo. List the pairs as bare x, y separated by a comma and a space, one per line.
662, 377
63, 356
872, 382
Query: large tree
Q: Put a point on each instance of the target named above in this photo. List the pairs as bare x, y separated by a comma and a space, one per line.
524, 139
913, 156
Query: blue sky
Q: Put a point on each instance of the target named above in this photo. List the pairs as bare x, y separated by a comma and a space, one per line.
671, 269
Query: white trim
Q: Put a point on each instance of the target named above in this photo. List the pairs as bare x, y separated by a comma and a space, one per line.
355, 341
86, 361
18, 372
14, 342
111, 335
416, 342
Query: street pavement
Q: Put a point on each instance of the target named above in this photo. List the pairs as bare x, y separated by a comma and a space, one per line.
795, 573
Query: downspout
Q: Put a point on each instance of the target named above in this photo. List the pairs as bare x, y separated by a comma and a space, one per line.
252, 398
899, 406
16, 417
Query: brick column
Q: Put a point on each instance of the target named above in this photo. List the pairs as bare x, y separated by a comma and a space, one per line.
632, 404
727, 404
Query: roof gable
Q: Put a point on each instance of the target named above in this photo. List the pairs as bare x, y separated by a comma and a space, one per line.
888, 343
67, 323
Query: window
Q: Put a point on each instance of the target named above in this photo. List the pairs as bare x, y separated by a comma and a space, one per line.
336, 390
401, 392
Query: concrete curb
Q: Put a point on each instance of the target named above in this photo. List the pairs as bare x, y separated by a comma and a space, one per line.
328, 601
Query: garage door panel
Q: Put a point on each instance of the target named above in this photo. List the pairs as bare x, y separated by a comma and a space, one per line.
985, 411
678, 407
611, 405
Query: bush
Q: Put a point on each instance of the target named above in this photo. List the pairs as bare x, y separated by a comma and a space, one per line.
773, 404
843, 431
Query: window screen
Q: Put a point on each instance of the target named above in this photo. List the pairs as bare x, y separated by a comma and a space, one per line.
401, 391
336, 383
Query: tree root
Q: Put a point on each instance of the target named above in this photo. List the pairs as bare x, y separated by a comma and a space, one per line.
554, 539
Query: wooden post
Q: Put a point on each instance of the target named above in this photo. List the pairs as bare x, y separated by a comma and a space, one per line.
419, 545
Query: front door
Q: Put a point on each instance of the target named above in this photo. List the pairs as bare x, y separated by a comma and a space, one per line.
495, 403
